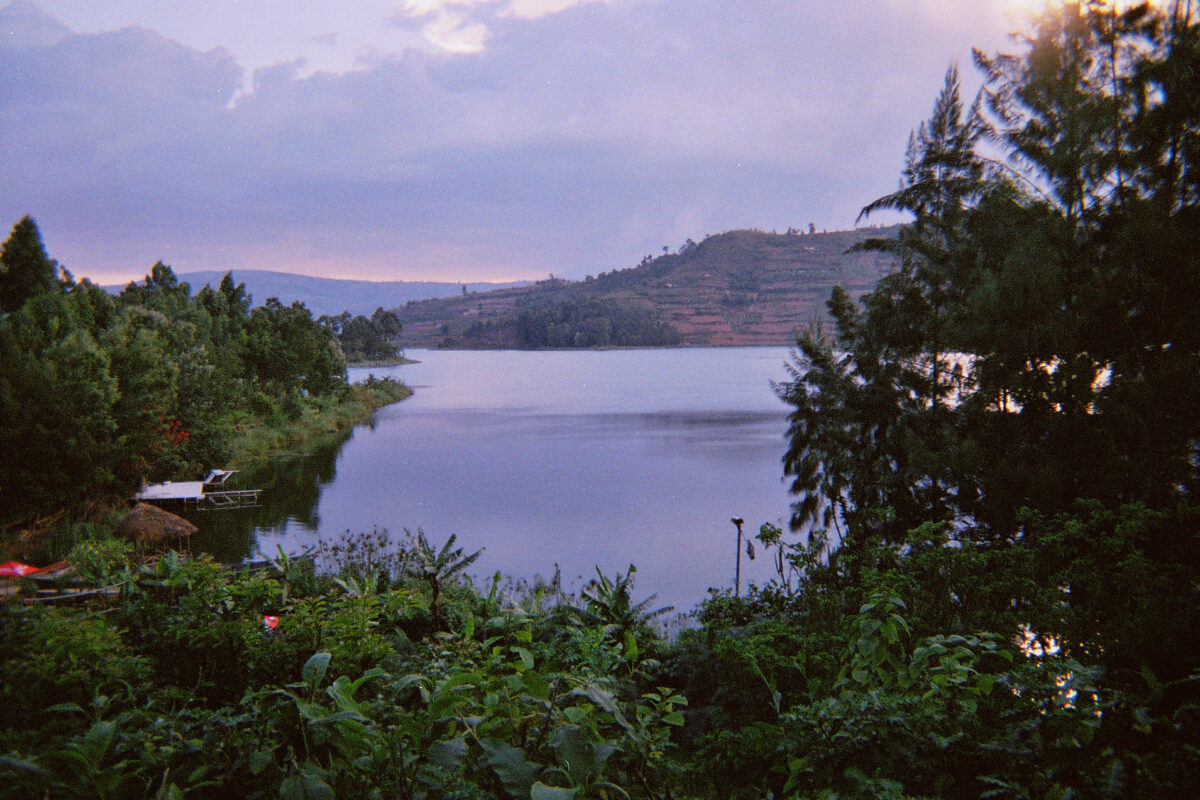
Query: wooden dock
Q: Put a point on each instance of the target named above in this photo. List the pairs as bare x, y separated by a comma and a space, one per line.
205, 495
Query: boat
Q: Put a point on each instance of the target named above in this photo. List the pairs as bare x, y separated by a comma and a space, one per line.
56, 584
72, 595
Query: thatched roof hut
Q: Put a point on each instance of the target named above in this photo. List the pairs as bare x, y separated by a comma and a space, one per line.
147, 524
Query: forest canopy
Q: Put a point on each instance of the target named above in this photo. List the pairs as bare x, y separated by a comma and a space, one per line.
366, 339
100, 393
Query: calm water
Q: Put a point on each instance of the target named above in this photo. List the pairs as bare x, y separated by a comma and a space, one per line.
574, 459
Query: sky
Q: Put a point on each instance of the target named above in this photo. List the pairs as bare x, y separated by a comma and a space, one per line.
457, 140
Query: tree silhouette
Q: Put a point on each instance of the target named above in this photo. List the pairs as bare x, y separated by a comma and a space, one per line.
25, 269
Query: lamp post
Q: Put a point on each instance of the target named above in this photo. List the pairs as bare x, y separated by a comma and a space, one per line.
737, 573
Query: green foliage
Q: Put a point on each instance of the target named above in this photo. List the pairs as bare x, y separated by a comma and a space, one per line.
1037, 345
1011, 359
436, 568
288, 348
53, 657
197, 696
568, 321
608, 604
100, 394
955, 623
25, 269
838, 687
56, 397
102, 561
365, 339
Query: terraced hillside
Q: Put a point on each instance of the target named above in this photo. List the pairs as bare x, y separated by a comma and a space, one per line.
736, 288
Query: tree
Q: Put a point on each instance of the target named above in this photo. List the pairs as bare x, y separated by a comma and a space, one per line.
363, 339
1026, 383
1013, 359
228, 310
1092, 116
288, 347
25, 269
56, 400
388, 323
872, 422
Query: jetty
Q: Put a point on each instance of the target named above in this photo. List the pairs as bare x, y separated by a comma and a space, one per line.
206, 495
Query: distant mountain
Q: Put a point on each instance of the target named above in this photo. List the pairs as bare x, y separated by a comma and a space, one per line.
24, 24
333, 296
737, 288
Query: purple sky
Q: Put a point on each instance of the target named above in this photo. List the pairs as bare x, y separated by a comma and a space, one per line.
469, 140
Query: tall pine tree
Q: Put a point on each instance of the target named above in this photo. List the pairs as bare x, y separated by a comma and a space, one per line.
25, 269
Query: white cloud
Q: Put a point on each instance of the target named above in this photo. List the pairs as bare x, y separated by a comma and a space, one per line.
455, 32
526, 9
464, 26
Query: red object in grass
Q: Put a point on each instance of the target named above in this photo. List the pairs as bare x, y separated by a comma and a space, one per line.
15, 569
270, 623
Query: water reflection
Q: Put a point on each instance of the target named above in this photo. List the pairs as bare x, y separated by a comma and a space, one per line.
574, 460
291, 491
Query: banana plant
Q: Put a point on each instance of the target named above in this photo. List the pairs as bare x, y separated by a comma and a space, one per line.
608, 603
437, 568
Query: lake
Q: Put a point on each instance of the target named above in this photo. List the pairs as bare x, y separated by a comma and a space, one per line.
546, 460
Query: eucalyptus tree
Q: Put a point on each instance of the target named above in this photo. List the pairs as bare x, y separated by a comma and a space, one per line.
288, 348
56, 401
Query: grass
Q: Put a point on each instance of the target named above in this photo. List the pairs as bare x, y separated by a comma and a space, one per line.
257, 439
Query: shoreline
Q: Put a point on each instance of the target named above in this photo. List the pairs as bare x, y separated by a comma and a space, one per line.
613, 349
53, 535
385, 362
264, 443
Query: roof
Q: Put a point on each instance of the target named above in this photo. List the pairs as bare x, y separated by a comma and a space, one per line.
172, 490
184, 490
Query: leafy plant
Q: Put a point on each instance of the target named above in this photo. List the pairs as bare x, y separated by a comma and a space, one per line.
437, 568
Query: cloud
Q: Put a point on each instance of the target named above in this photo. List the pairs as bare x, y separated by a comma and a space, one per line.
571, 138
525, 9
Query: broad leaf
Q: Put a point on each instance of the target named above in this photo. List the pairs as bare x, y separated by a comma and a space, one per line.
514, 770
540, 791
314, 669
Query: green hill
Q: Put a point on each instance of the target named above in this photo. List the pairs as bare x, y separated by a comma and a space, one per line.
736, 288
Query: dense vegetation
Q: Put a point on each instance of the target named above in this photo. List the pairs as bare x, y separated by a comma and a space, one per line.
589, 323
366, 339
1036, 349
994, 594
555, 315
99, 393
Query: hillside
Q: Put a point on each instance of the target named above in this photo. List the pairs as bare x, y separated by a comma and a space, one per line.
736, 288
331, 295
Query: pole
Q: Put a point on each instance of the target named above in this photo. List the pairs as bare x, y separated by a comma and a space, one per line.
737, 572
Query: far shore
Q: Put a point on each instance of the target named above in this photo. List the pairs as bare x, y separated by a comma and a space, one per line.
399, 361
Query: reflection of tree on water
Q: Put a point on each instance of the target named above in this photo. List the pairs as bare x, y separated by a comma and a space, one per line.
291, 488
